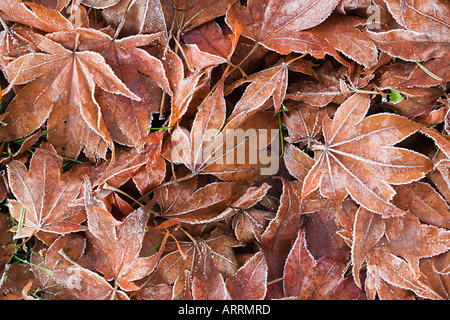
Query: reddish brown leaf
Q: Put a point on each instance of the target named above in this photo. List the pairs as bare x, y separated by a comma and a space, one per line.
6, 243
211, 145
208, 283
119, 244
383, 265
344, 164
271, 82
250, 224
306, 278
183, 15
431, 17
304, 123
322, 92
137, 17
341, 33
136, 164
250, 281
68, 80
207, 204
210, 38
409, 45
423, 200
127, 120
368, 229
44, 195
38, 17
278, 24
412, 241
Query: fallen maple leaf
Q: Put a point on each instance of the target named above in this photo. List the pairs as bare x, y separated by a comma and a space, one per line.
126, 118
68, 80
306, 278
44, 195
357, 157
208, 283
250, 281
183, 15
119, 243
431, 18
38, 17
278, 24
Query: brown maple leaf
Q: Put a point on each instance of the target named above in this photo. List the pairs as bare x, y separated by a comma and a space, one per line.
44, 195
310, 279
357, 157
118, 243
134, 17
61, 87
279, 25
210, 147
127, 119
250, 281
393, 247
34, 15
430, 18
183, 15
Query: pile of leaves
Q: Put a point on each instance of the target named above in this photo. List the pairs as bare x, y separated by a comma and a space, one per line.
98, 93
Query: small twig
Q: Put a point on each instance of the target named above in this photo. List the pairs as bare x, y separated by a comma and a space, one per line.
107, 186
161, 106
297, 58
189, 176
122, 21
24, 242
275, 281
247, 56
178, 44
113, 294
189, 236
